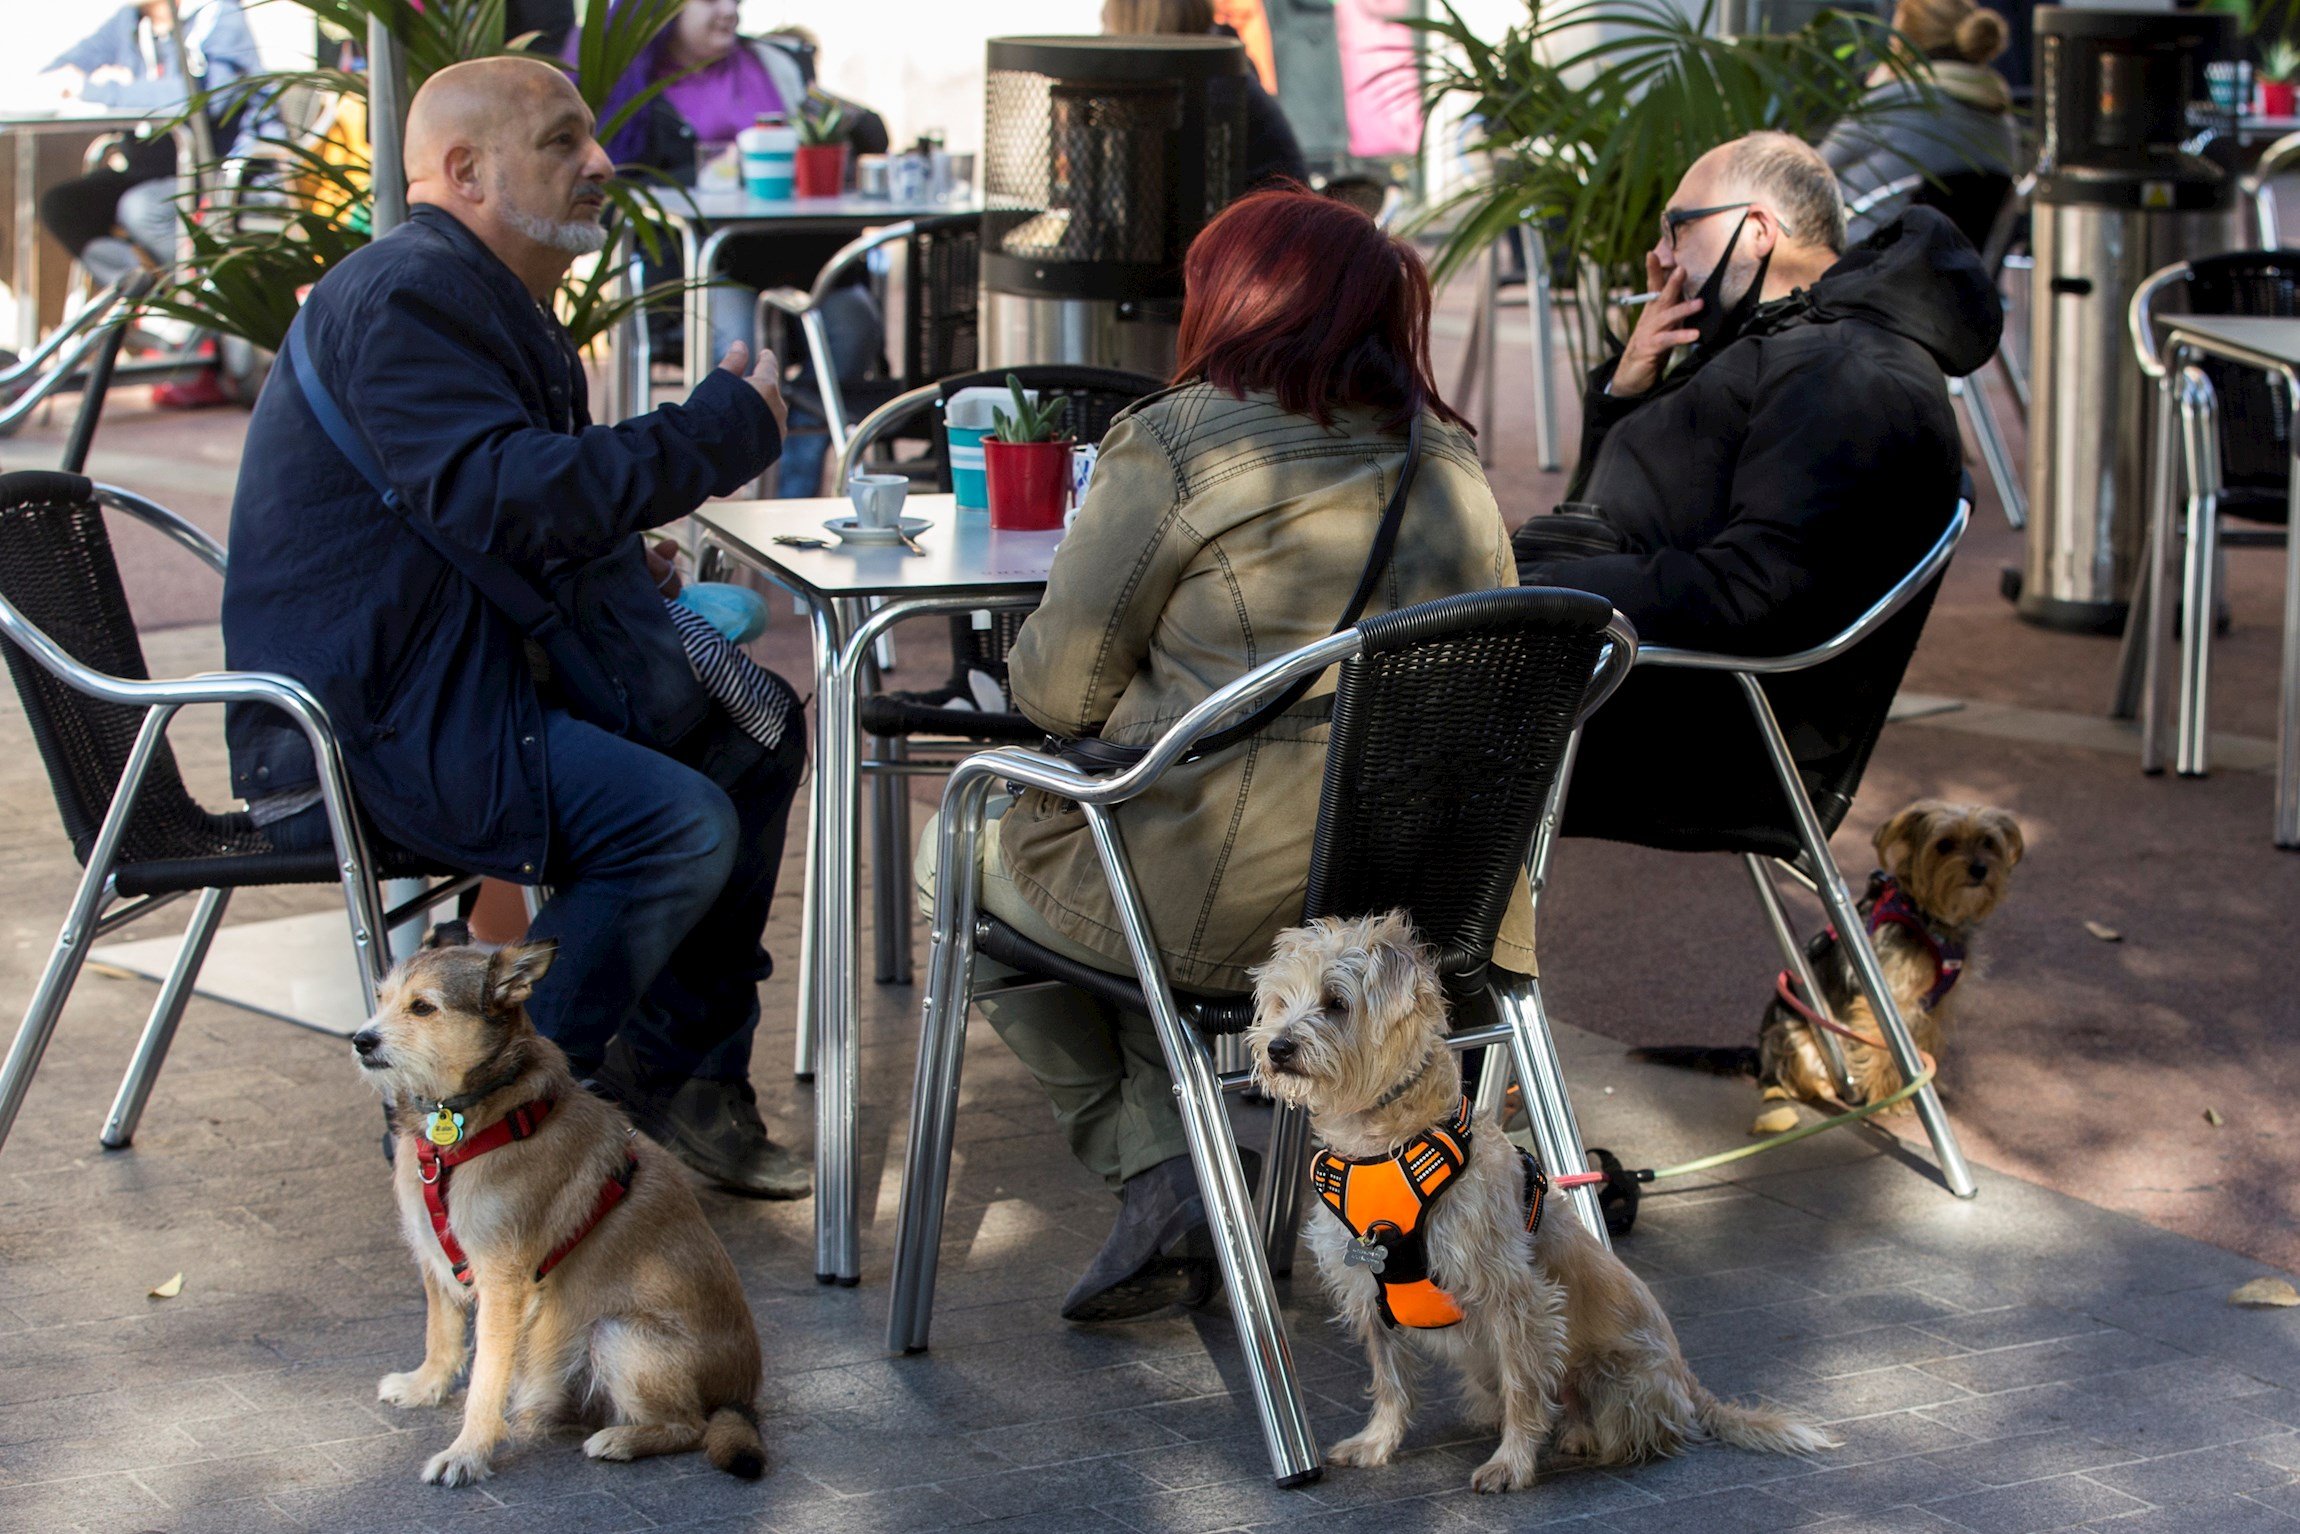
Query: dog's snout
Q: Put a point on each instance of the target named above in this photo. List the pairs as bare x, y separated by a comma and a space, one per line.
1979, 871
367, 1041
1281, 1051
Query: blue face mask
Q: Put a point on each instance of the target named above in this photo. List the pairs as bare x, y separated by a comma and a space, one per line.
1717, 324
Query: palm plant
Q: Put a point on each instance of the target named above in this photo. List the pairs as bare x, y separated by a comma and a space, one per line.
1591, 112
261, 244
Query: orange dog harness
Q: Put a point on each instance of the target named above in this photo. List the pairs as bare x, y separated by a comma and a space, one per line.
1386, 1203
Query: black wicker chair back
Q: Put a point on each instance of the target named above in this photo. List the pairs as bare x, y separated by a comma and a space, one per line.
56, 568
2255, 415
1448, 731
1971, 200
1674, 761
942, 289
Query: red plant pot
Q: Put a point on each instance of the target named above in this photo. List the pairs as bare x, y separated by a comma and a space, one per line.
819, 171
2276, 98
1029, 484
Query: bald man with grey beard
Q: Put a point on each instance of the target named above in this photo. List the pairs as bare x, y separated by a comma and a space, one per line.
433, 536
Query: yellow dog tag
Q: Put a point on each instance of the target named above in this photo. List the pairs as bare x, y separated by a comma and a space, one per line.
445, 1128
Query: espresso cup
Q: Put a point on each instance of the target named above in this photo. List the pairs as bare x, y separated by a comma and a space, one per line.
878, 499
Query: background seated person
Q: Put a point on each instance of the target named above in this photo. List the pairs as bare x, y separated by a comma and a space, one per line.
438, 346
1960, 131
720, 83
1229, 520
1792, 467
1272, 152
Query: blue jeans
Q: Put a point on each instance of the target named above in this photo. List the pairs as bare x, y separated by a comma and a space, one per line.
661, 882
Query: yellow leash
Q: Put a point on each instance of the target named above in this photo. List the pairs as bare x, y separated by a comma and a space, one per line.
1789, 1136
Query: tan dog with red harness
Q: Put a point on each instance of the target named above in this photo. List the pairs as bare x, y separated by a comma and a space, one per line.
602, 1295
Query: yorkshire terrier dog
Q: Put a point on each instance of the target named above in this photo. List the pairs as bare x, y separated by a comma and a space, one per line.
597, 1291
1433, 1238
1942, 870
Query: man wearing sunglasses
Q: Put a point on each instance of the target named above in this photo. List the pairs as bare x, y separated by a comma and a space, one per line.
1770, 453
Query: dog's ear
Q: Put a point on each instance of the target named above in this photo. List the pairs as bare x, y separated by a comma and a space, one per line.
1396, 965
513, 973
1896, 840
2002, 823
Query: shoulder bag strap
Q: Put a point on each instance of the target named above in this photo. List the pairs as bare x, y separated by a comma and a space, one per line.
574, 668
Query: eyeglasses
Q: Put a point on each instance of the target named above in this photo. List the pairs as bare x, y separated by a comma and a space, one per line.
1674, 219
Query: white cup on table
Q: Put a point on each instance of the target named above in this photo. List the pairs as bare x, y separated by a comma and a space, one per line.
878, 499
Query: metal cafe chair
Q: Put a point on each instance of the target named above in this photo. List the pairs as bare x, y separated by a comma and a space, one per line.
101, 726
903, 722
1983, 207
2231, 427
1780, 817
1450, 722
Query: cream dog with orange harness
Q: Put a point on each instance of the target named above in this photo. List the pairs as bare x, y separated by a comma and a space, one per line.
602, 1295
1432, 1237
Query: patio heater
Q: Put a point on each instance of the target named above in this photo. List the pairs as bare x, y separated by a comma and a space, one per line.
2137, 170
1103, 158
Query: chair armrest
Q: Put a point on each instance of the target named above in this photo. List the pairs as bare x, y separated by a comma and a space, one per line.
791, 301
183, 534
1882, 194
1927, 569
853, 251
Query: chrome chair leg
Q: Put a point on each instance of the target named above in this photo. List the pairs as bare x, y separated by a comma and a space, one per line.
2200, 433
79, 930
1830, 882
1285, 1417
1556, 1132
1285, 1172
941, 1053
1980, 412
1794, 960
1538, 300
160, 1031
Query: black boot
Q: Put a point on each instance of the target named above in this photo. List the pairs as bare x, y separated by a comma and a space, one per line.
1158, 1253
713, 1126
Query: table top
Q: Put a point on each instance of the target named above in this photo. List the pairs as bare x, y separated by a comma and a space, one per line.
66, 117
734, 205
2278, 340
963, 553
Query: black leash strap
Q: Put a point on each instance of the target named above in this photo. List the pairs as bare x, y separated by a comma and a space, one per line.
1098, 755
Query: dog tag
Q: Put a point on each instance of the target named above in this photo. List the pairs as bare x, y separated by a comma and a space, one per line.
1365, 1252
446, 1128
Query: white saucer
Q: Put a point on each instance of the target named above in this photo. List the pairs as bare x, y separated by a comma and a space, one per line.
850, 530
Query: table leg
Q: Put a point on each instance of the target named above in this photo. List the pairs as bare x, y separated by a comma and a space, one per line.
2288, 710
25, 274
837, 996
700, 262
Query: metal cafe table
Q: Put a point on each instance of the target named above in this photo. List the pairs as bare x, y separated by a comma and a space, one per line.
27, 125
2273, 346
853, 595
719, 214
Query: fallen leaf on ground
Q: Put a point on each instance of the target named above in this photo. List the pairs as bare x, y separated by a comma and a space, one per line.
1774, 1120
2212, 1117
2266, 1291
2104, 931
170, 1289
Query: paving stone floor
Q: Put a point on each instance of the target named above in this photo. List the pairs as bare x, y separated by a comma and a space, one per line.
2022, 1362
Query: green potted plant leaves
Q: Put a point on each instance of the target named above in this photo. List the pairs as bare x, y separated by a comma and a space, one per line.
2279, 64
1027, 460
822, 158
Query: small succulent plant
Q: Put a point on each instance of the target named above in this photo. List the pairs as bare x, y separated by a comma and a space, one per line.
1039, 422
821, 121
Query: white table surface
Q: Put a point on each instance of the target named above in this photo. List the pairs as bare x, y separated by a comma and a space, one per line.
963, 552
36, 119
2275, 338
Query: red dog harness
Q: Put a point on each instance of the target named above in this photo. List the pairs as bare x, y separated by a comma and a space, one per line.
1386, 1200
435, 1165
1889, 906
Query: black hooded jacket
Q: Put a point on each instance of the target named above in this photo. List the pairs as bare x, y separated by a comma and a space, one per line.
1767, 494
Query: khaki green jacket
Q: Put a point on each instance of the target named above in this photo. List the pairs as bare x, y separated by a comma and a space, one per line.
1220, 534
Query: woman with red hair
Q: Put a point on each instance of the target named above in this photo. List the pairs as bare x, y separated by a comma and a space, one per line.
1230, 519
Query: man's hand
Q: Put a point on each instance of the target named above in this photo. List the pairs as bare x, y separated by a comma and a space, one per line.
111, 74
767, 378
1660, 331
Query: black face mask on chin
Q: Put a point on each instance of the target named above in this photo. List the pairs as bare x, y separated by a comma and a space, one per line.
1717, 324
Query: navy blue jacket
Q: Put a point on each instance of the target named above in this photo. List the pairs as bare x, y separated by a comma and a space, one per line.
472, 400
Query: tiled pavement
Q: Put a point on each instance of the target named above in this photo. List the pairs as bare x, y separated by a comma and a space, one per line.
2023, 1362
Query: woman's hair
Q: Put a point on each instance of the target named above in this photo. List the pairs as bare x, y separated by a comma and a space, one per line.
1303, 297
1138, 17
1951, 28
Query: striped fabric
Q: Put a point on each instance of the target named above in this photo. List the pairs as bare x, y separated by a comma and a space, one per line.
761, 702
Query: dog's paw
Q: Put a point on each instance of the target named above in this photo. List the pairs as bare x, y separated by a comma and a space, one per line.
459, 1466
1363, 1450
1503, 1472
412, 1389
612, 1443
